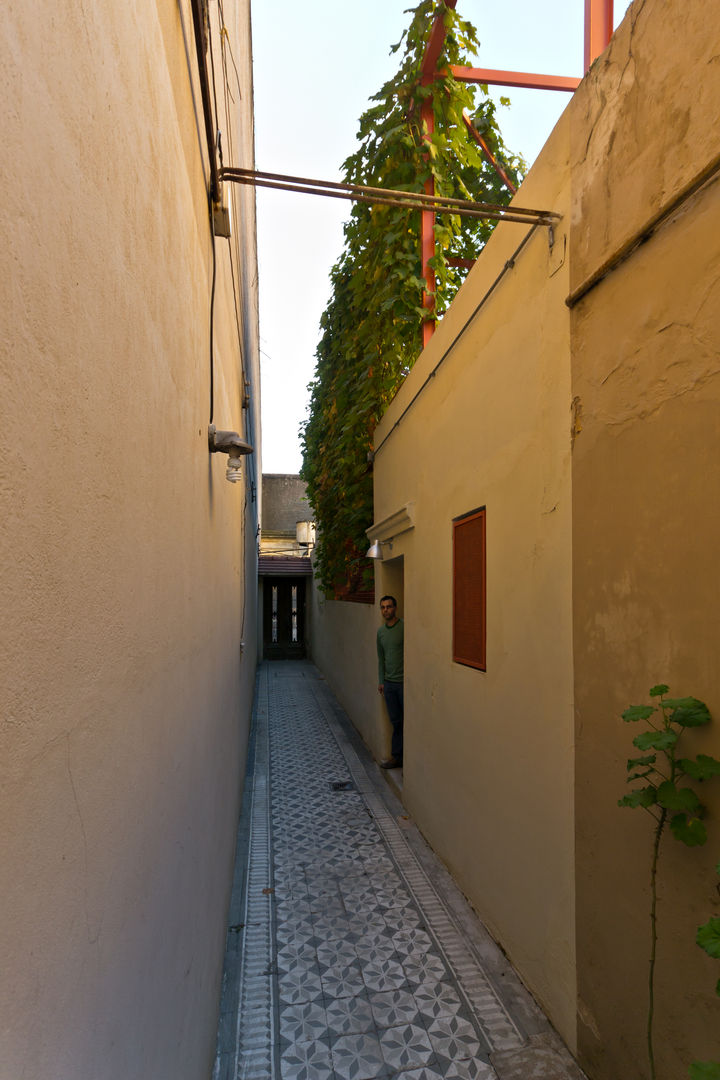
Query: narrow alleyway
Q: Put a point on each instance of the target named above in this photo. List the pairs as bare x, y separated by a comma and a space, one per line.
351, 954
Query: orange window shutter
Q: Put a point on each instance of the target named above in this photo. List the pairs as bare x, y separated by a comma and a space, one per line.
469, 590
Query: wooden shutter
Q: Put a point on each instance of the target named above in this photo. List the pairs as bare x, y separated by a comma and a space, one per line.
469, 589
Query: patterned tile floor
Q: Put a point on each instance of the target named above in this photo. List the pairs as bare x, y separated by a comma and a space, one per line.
351, 955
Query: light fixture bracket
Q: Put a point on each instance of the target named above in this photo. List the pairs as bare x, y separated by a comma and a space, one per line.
230, 443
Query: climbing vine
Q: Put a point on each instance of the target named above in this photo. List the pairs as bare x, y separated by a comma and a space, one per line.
371, 330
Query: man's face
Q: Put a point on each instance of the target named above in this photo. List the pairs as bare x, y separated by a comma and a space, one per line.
387, 610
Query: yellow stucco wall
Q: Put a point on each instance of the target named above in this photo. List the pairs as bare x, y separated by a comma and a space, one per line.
342, 644
488, 756
646, 521
128, 584
589, 430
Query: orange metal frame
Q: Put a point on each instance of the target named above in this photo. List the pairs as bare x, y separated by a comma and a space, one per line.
598, 31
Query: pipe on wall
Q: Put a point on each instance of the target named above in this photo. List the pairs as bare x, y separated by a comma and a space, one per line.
199, 14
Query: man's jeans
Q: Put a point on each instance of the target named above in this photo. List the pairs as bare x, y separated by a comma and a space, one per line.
393, 694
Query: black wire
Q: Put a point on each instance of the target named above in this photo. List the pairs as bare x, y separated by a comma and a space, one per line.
205, 91
246, 578
212, 318
218, 143
234, 242
228, 46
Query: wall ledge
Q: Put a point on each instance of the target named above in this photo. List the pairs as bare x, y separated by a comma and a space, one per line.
401, 521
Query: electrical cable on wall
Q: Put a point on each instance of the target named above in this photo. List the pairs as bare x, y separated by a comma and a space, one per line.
212, 318
233, 247
228, 97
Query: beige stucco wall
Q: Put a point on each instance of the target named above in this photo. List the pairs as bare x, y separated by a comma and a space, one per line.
342, 645
488, 756
128, 584
646, 521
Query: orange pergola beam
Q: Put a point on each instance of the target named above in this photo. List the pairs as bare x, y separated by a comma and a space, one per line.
427, 232
433, 50
477, 137
435, 43
598, 28
598, 31
494, 77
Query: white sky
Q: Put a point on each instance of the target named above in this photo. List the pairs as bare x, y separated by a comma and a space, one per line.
316, 64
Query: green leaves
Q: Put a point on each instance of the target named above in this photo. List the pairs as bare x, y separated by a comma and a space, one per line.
705, 1070
648, 759
674, 798
638, 712
708, 937
646, 797
688, 712
700, 768
657, 740
689, 830
665, 793
371, 330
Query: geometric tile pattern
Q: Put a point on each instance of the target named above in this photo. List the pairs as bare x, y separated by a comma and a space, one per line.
499, 1030
353, 967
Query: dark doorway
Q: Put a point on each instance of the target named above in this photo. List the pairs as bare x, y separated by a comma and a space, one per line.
284, 618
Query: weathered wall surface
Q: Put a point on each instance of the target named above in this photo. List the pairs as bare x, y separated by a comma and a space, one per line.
127, 582
488, 755
284, 504
646, 520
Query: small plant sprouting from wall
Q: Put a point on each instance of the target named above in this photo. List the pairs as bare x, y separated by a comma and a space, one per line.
668, 800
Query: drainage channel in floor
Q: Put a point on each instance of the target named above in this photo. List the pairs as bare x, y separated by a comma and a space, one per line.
353, 965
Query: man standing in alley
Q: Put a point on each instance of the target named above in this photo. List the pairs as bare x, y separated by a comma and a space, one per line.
390, 641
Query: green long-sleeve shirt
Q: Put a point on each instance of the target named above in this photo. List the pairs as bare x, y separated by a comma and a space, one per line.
390, 641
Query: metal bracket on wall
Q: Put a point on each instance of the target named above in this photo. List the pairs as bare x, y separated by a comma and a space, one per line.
230, 443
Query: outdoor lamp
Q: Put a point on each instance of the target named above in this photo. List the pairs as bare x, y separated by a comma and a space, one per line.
230, 443
375, 549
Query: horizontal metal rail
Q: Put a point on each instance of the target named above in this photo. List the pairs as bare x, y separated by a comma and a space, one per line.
412, 200
526, 79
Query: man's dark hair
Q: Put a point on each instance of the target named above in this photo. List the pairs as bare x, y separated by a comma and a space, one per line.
389, 598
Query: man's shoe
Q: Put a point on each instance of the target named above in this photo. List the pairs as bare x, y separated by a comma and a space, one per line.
391, 763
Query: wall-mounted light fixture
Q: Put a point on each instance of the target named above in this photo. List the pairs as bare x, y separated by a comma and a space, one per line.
375, 550
230, 443
382, 533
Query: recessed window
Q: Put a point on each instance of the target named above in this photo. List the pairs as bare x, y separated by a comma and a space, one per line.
469, 588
